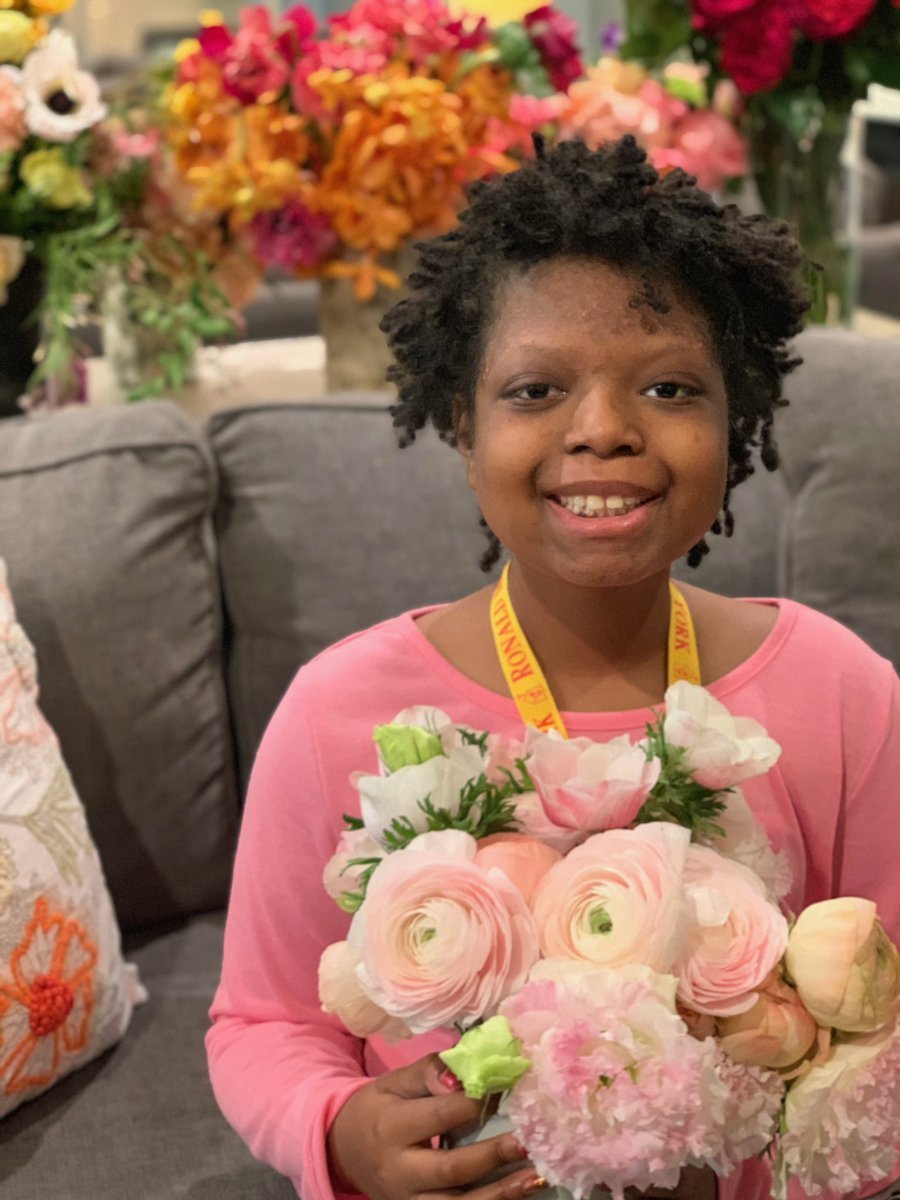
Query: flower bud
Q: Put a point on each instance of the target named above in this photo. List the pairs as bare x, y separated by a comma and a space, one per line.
777, 1032
845, 967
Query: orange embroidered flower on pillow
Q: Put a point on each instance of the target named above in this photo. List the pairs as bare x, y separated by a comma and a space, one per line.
66, 994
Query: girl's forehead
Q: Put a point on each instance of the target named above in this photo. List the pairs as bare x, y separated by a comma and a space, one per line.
573, 296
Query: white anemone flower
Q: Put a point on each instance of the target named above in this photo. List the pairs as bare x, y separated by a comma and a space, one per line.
60, 100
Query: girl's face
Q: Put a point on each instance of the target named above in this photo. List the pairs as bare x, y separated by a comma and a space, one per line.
598, 449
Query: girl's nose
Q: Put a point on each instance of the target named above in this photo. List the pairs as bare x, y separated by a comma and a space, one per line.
605, 423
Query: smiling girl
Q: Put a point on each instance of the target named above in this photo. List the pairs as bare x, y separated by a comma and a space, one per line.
606, 349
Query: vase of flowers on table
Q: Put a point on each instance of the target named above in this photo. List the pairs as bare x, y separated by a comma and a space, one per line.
328, 149
603, 925
799, 67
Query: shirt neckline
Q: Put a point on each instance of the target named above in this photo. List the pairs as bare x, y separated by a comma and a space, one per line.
581, 721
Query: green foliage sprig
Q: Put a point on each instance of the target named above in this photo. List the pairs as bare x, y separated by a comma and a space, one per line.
677, 796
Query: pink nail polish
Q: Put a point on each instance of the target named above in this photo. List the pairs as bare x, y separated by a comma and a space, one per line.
448, 1080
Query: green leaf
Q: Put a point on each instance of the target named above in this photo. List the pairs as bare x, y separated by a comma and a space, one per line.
656, 29
798, 111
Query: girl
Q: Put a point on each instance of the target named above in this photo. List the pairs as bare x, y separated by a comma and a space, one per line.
604, 348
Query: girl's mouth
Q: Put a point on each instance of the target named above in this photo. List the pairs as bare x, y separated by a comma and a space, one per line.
587, 506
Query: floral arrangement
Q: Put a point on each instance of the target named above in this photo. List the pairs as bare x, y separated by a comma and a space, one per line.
73, 185
602, 924
800, 66
675, 116
325, 148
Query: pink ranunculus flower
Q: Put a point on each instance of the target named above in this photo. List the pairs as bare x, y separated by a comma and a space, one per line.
341, 994
735, 935
441, 940
617, 899
523, 860
13, 129
618, 1093
590, 785
707, 146
721, 749
777, 1032
338, 875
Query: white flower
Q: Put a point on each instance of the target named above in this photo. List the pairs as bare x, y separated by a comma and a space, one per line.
60, 100
399, 796
747, 842
841, 1118
722, 750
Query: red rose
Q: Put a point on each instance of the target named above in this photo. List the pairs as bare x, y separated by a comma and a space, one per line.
554, 35
713, 15
834, 18
758, 45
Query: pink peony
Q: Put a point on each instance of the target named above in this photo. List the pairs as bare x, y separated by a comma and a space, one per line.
618, 1092
841, 1119
735, 936
707, 146
12, 110
616, 899
754, 1102
441, 941
291, 237
523, 860
555, 37
590, 785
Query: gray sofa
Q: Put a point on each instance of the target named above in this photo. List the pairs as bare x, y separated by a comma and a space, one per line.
173, 579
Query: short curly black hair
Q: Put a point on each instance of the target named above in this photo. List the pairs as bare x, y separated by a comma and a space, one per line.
741, 272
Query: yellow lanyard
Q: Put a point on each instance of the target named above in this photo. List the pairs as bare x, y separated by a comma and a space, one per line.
525, 678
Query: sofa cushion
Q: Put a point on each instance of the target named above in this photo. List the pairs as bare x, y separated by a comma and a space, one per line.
142, 1121
105, 526
325, 527
60, 958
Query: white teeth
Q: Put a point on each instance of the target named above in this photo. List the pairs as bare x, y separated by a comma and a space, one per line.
597, 506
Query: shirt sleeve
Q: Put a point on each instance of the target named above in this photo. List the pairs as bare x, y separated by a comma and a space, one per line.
280, 1067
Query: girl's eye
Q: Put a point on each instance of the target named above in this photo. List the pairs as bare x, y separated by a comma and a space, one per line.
531, 391
670, 390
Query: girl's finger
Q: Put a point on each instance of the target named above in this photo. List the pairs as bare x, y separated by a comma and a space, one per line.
420, 1120
517, 1186
446, 1170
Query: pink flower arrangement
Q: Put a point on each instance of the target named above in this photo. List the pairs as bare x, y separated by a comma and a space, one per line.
590, 914
672, 116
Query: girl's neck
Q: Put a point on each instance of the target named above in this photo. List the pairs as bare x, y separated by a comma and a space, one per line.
595, 643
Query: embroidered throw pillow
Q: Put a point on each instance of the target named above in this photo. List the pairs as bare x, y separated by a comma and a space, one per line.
65, 992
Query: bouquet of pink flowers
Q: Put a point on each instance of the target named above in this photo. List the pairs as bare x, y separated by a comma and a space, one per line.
602, 922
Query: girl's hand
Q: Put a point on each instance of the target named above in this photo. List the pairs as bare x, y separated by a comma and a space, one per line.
380, 1141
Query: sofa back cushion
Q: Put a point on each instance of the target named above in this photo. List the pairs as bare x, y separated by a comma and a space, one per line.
105, 524
325, 527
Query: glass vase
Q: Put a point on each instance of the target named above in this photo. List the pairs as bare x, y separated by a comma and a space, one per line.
800, 180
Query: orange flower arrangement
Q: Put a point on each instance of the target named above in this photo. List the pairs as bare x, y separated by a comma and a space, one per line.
324, 150
47, 1004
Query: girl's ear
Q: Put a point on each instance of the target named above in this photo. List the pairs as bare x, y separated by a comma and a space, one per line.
462, 428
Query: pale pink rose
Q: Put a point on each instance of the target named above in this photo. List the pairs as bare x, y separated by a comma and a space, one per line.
590, 785
338, 875
721, 750
735, 936
706, 145
617, 899
441, 941
12, 110
777, 1032
523, 860
341, 993
533, 820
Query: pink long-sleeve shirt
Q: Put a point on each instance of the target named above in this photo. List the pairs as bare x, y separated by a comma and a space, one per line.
281, 1068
